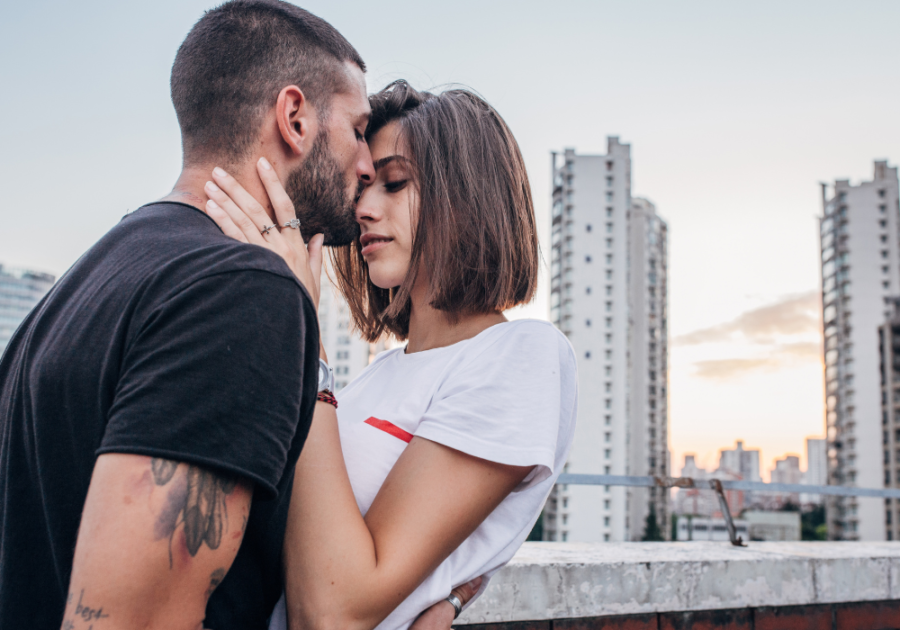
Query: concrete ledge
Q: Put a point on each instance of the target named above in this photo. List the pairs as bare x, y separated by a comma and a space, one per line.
579, 580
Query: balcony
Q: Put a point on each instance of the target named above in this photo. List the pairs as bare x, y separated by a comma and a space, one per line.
643, 586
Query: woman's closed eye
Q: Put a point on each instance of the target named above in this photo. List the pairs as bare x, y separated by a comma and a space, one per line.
395, 186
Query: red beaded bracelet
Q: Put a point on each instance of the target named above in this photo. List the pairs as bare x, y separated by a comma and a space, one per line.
326, 396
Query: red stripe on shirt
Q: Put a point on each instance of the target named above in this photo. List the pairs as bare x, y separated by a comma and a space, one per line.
388, 427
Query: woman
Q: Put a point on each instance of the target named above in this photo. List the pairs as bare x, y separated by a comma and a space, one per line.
436, 465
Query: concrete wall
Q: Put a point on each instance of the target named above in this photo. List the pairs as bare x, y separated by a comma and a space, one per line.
657, 581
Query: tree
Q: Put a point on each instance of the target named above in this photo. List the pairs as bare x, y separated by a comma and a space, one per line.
651, 527
537, 532
812, 524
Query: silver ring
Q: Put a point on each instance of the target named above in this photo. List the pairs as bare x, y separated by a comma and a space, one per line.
457, 605
265, 230
293, 223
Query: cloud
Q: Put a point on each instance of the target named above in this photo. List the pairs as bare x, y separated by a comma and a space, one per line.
793, 315
778, 336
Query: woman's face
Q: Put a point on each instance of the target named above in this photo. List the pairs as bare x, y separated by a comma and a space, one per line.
385, 210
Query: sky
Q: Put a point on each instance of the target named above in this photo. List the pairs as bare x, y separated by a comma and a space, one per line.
734, 111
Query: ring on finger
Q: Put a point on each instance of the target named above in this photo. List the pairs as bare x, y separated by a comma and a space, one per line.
293, 223
266, 229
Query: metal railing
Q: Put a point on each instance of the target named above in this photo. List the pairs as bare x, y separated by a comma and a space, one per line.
720, 485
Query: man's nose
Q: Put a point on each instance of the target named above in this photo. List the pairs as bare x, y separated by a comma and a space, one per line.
365, 170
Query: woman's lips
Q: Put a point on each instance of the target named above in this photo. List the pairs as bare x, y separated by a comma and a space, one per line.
373, 242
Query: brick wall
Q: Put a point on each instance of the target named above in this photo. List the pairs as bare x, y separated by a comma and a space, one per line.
881, 615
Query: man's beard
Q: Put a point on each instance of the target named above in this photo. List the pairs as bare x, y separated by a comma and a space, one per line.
319, 193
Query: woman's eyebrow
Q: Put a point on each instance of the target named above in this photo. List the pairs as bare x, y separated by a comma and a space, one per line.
387, 160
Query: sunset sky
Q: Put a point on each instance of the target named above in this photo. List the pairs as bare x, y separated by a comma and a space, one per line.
735, 112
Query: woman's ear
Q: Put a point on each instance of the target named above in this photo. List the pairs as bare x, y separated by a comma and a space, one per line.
297, 120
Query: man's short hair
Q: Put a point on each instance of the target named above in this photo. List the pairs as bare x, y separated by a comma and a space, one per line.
234, 62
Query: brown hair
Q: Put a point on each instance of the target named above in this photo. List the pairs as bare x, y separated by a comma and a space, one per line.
234, 62
475, 232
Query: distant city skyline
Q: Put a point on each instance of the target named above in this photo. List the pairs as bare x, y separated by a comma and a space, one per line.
736, 112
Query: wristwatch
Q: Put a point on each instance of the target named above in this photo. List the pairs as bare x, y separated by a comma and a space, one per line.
326, 377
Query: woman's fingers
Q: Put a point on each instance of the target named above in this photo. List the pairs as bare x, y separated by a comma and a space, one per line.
223, 220
281, 202
238, 216
241, 198
467, 591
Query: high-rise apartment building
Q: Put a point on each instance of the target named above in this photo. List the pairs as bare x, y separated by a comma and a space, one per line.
889, 356
860, 260
816, 473
608, 295
20, 290
347, 353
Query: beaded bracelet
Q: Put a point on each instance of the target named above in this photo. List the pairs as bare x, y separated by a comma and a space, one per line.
326, 396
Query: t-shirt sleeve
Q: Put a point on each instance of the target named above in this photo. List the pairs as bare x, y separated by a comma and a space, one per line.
213, 377
503, 403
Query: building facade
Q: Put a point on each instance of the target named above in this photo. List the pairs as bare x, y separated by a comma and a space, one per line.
860, 274
347, 353
816, 473
608, 296
889, 355
20, 290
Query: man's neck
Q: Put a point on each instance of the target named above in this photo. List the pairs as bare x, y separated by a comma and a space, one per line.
190, 186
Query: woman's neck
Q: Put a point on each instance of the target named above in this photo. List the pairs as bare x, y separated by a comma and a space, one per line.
430, 328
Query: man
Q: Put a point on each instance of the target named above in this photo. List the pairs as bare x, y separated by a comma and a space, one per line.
153, 405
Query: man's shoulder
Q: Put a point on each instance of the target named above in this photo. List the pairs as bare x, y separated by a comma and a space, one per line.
185, 245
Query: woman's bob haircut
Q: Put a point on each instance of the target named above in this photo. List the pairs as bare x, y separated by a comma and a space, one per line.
474, 237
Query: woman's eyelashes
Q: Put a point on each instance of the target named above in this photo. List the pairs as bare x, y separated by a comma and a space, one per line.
395, 186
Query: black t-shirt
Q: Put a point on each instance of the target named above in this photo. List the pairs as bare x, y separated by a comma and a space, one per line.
166, 339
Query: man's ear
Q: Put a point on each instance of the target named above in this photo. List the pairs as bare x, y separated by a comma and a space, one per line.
297, 120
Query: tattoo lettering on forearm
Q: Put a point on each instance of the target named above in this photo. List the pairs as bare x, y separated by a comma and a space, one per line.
195, 501
83, 613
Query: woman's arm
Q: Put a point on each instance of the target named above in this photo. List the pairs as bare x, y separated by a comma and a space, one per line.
343, 572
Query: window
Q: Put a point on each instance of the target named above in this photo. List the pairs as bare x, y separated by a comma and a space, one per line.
606, 504
609, 259
587, 258
608, 386
341, 370
565, 536
609, 277
609, 322
609, 165
607, 420
609, 370
881, 193
609, 243
882, 223
609, 403
587, 227
587, 323
884, 253
884, 238
885, 269
605, 537
608, 289
608, 338
609, 181
886, 284
882, 209
587, 290
342, 354
606, 518
607, 453
608, 355
607, 436
587, 355
343, 340
609, 306
609, 196
609, 228
609, 213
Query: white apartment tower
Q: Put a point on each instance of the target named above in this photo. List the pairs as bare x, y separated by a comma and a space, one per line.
608, 295
860, 273
347, 353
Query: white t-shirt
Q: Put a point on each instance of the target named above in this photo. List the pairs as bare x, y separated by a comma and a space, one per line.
507, 395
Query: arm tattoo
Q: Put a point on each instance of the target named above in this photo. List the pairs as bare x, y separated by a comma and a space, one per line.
196, 501
214, 580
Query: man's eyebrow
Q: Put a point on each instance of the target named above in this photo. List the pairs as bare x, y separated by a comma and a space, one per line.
387, 160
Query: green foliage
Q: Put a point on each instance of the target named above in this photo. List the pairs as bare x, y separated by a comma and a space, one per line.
812, 524
651, 527
537, 532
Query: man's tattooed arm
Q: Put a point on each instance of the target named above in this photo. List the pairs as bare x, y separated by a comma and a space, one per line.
195, 502
153, 531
